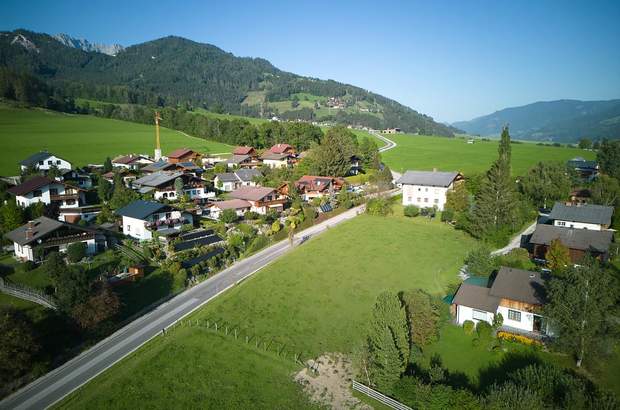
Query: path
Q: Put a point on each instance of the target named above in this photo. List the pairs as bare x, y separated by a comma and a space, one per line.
389, 144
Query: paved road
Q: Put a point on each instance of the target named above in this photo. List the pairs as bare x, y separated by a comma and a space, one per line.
389, 144
516, 241
55, 385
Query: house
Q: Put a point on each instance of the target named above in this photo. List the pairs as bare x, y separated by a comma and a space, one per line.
131, 161
282, 149
427, 189
162, 185
43, 161
584, 216
242, 161
392, 131
261, 199
518, 295
578, 241
273, 160
239, 205
580, 196
126, 174
311, 187
183, 155
77, 213
34, 240
356, 165
229, 181
48, 191
160, 165
245, 151
588, 170
143, 218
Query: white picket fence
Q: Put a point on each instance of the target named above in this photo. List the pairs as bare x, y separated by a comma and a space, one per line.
380, 397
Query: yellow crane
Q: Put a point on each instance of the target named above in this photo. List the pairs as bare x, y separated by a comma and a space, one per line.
157, 146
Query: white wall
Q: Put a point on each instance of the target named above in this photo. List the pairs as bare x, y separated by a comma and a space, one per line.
526, 323
272, 163
50, 162
464, 313
193, 193
45, 197
577, 225
135, 228
23, 252
425, 196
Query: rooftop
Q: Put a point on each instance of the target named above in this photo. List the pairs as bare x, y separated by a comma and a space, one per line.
477, 297
251, 193
593, 214
232, 204
428, 178
236, 159
243, 150
274, 156
281, 148
31, 185
520, 285
140, 209
180, 152
581, 239
35, 158
158, 178
248, 174
38, 229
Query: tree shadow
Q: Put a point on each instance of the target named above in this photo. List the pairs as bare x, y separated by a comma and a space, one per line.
138, 295
498, 372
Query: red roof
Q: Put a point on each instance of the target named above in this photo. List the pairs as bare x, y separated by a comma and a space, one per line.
243, 151
30, 185
281, 148
180, 153
317, 183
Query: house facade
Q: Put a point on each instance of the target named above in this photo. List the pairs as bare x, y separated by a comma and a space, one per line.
43, 161
582, 216
311, 187
141, 219
518, 295
48, 191
229, 181
162, 185
131, 161
184, 155
427, 189
578, 241
240, 207
261, 199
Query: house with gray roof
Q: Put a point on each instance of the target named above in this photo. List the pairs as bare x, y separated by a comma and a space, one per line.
229, 181
582, 216
142, 219
586, 169
515, 294
43, 161
428, 189
578, 241
161, 185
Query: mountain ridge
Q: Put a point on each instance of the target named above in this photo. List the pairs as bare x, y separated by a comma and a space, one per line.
85, 45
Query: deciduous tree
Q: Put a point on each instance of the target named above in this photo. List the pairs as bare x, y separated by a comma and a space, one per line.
605, 191
100, 306
17, 344
557, 256
546, 183
423, 317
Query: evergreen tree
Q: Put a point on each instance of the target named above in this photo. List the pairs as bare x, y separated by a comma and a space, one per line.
557, 256
546, 183
333, 156
104, 190
17, 344
11, 216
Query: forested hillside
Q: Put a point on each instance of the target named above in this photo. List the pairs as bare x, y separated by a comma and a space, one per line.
177, 72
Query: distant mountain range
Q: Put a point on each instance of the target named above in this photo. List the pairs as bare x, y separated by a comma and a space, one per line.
560, 121
85, 45
175, 71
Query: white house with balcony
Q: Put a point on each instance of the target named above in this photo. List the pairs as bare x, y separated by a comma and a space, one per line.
43, 161
427, 189
162, 185
141, 219
48, 191
582, 216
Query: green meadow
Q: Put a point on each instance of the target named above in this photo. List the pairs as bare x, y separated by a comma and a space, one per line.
83, 139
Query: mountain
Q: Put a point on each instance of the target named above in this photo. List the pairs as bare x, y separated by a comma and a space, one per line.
175, 71
85, 45
560, 121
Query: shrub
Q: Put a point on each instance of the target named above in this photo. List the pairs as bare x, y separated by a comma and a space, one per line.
76, 251
229, 216
480, 262
447, 215
379, 207
26, 266
257, 244
511, 337
275, 227
250, 215
411, 211
484, 329
468, 327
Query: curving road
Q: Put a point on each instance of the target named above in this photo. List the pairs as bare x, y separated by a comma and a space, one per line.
60, 382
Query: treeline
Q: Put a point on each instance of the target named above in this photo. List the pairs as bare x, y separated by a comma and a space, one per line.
28, 90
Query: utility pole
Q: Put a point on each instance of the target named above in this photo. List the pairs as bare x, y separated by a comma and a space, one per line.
157, 145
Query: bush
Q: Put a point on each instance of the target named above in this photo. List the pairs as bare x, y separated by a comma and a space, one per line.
518, 339
76, 251
229, 216
447, 215
411, 211
468, 327
26, 266
250, 216
275, 227
484, 330
379, 206
257, 244
480, 262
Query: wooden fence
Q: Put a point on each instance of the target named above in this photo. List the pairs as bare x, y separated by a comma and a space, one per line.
380, 397
26, 293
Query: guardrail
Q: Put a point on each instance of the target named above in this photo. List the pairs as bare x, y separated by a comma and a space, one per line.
26, 293
380, 397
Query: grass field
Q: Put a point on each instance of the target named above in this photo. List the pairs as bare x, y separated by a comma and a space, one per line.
82, 139
316, 299
454, 154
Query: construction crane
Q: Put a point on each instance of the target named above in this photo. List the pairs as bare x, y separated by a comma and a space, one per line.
157, 146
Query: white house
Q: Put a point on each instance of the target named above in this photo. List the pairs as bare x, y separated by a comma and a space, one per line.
427, 189
43, 161
239, 205
582, 216
34, 240
229, 181
142, 218
516, 294
261, 199
48, 191
162, 185
131, 161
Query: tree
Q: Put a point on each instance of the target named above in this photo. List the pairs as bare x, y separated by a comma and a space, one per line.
546, 183
76, 251
510, 396
585, 143
35, 210
100, 306
104, 190
423, 317
178, 187
106, 215
457, 199
605, 191
17, 344
557, 256
71, 283
11, 216
369, 153
379, 206
480, 262
608, 157
332, 157
578, 306
229, 216
107, 165
388, 345
122, 195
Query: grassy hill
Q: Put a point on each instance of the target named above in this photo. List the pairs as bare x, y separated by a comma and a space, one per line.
82, 139
447, 154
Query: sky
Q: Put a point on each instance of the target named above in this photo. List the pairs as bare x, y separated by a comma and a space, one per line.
452, 60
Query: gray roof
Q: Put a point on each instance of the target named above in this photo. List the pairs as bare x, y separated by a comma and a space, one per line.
140, 209
236, 159
581, 239
157, 166
227, 177
476, 297
593, 214
582, 163
520, 285
35, 158
248, 175
157, 178
251, 193
428, 178
41, 227
274, 156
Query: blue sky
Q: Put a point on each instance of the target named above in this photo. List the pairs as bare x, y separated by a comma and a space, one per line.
452, 60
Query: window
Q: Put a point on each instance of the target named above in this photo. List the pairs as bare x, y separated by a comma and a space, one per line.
436, 201
425, 189
37, 193
57, 162
49, 162
40, 162
425, 199
53, 191
128, 228
419, 199
409, 199
561, 223
419, 189
514, 315
479, 314
70, 201
168, 215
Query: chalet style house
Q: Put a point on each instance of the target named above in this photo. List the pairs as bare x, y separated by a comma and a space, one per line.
131, 161
229, 181
518, 295
584, 216
279, 156
183, 155
141, 219
427, 189
43, 161
261, 199
161, 185
240, 206
311, 187
245, 151
37, 238
48, 191
587, 170
242, 161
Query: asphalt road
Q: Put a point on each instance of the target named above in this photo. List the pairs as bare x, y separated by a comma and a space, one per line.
60, 382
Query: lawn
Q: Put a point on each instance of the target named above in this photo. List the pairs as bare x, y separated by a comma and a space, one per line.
82, 139
316, 299
454, 154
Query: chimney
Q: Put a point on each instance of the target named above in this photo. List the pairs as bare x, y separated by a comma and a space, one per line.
29, 233
30, 225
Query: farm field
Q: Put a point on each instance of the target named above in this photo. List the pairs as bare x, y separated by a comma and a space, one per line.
82, 139
316, 299
454, 154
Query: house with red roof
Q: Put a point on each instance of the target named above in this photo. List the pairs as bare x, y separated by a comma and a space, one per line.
310, 186
245, 151
183, 155
261, 199
279, 156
